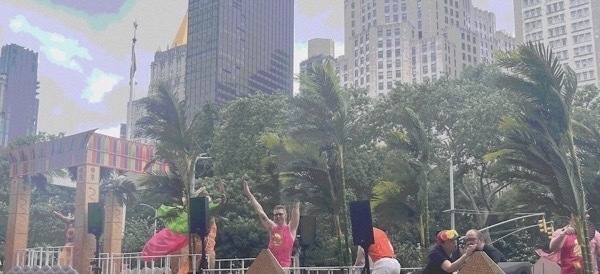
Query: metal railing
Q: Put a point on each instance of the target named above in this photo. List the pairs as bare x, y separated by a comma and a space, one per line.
50, 256
135, 263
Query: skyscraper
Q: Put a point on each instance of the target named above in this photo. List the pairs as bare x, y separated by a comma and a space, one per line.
168, 67
18, 93
236, 48
569, 27
319, 50
412, 41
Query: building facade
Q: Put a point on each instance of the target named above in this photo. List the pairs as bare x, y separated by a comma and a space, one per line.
237, 48
569, 27
168, 67
412, 41
18, 93
320, 50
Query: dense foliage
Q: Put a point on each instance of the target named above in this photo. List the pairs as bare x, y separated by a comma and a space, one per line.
328, 146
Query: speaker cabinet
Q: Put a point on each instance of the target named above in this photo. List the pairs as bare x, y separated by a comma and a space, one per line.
199, 216
95, 218
362, 224
307, 229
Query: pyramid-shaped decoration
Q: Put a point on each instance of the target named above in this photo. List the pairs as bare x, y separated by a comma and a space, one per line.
480, 263
181, 36
265, 263
546, 266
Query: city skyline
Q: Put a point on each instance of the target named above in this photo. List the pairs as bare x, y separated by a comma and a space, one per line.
85, 50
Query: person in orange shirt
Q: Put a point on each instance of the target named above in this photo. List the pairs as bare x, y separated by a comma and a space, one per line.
381, 254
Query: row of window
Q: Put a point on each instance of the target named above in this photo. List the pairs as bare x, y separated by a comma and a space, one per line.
560, 30
556, 7
553, 32
586, 75
584, 63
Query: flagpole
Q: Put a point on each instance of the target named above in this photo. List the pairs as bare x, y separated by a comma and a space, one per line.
132, 69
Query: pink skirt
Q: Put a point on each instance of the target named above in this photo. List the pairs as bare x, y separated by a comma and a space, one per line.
163, 243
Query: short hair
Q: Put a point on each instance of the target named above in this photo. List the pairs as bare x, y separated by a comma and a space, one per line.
477, 232
279, 207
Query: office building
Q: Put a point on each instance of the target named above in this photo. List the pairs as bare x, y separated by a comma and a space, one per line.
319, 50
569, 27
168, 67
237, 48
18, 93
412, 41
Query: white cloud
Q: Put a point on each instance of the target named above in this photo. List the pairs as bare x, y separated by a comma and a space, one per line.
114, 131
98, 84
57, 48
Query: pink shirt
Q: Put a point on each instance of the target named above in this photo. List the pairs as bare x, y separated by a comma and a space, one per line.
281, 243
570, 253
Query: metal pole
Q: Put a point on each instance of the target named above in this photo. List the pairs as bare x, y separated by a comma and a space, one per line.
452, 220
129, 122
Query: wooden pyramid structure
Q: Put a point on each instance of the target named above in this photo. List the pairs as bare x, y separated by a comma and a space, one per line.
265, 263
480, 263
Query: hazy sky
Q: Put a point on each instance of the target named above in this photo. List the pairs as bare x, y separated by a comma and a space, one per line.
84, 49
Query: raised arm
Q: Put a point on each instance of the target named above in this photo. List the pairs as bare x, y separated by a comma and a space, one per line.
216, 207
456, 265
63, 218
360, 257
558, 238
295, 220
221, 188
266, 222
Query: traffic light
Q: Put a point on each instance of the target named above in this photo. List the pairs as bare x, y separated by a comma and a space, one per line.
545, 227
542, 224
550, 229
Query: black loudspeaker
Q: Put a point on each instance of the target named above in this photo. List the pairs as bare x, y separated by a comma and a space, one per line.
362, 224
95, 218
199, 216
516, 267
307, 229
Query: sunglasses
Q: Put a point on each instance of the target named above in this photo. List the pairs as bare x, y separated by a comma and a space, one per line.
278, 214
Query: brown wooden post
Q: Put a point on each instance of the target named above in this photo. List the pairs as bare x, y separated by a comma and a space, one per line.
88, 191
113, 229
18, 221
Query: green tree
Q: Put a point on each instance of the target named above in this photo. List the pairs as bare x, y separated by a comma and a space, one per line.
539, 141
237, 147
414, 145
180, 140
320, 114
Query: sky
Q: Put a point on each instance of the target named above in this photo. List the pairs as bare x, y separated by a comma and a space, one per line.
84, 50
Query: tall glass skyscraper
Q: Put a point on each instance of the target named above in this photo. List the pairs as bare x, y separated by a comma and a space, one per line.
236, 48
18, 93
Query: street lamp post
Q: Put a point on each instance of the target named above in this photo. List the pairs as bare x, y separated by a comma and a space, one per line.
155, 214
202, 156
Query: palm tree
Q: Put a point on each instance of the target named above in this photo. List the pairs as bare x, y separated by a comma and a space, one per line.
179, 138
414, 145
539, 144
320, 114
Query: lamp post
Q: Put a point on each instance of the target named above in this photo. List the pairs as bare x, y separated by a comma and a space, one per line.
202, 156
155, 214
